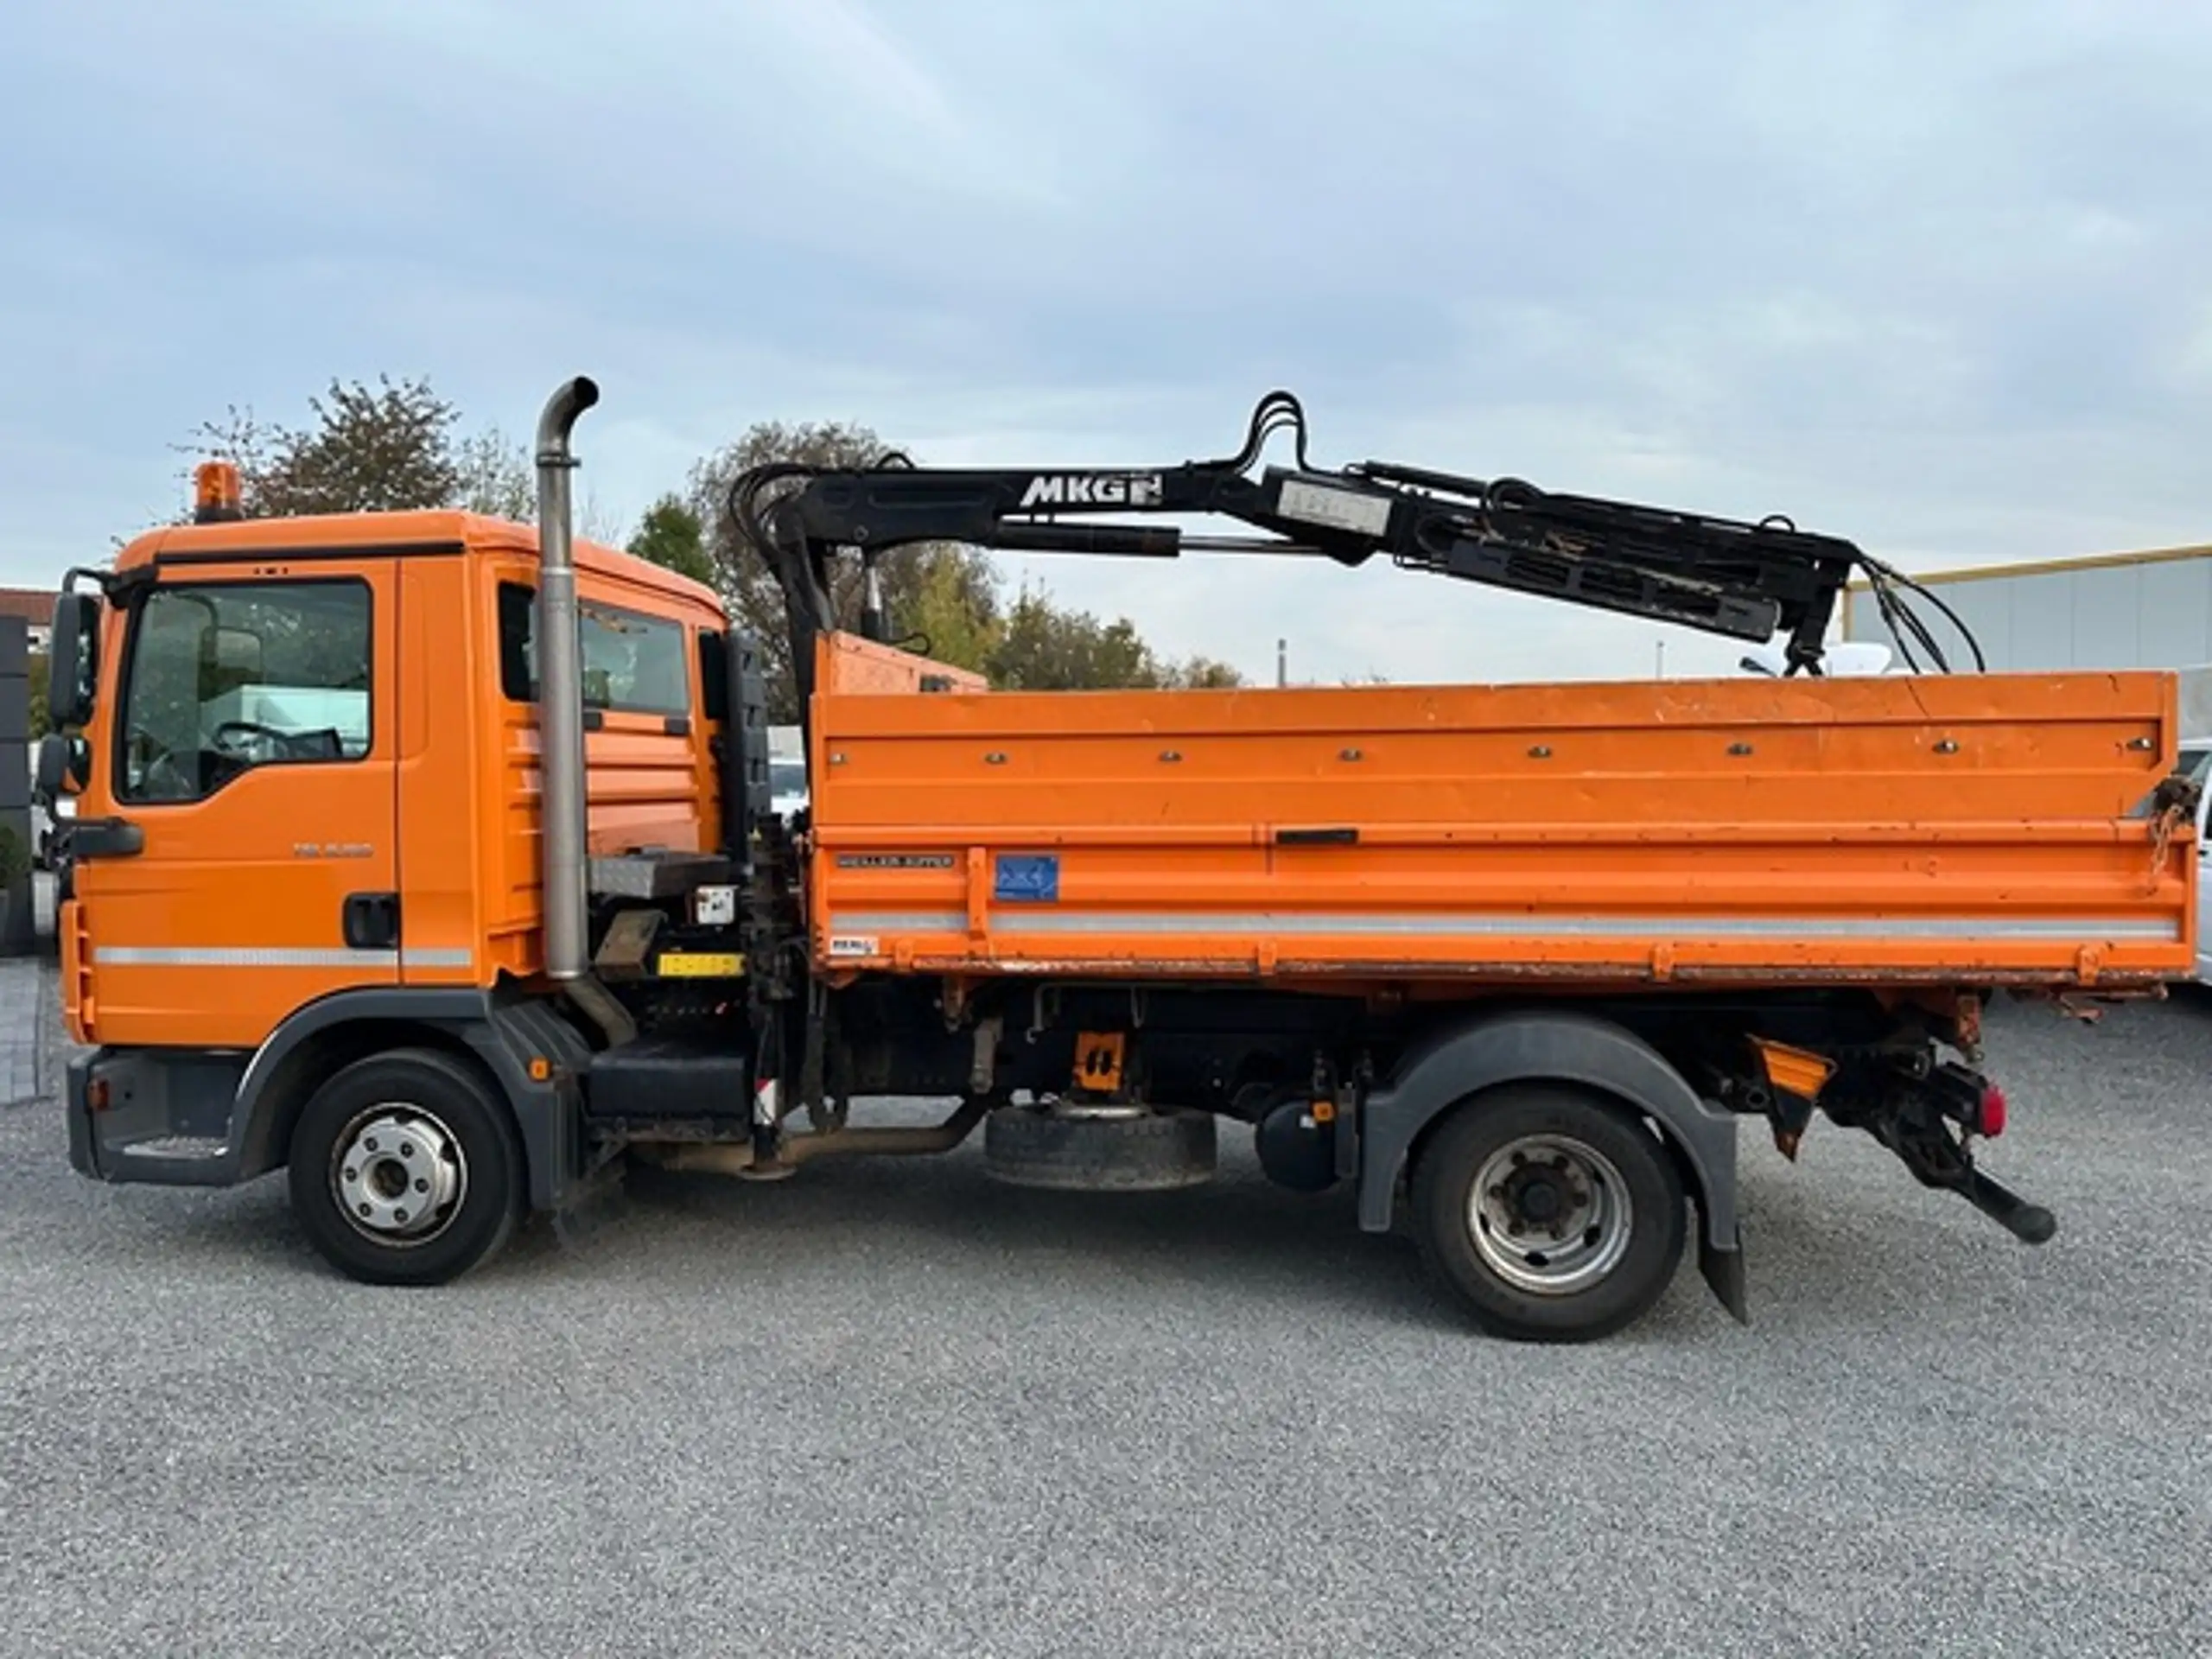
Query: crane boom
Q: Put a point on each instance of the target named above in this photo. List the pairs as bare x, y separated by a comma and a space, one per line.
1749, 581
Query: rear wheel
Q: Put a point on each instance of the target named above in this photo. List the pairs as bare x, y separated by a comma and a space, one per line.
1551, 1214
405, 1170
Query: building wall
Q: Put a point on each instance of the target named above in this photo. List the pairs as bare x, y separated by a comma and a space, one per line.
2148, 611
35, 606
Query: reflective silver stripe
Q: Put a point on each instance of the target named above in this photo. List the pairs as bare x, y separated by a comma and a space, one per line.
191, 955
1496, 925
243, 956
901, 921
426, 957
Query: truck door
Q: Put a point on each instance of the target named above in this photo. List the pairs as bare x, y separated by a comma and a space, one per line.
251, 751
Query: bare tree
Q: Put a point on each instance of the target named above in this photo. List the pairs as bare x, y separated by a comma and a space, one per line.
741, 575
379, 448
498, 477
385, 447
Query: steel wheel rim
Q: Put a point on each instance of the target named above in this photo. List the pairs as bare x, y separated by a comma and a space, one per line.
1550, 1214
398, 1175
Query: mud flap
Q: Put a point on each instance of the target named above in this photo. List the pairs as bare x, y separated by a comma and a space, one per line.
1724, 1273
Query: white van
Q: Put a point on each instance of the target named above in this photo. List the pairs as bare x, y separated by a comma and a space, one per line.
787, 789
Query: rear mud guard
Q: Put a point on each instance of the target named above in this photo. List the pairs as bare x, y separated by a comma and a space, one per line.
1559, 1047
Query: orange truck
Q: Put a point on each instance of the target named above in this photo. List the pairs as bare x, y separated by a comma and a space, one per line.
430, 859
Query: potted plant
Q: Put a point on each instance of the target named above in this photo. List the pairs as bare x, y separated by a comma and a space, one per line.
15, 866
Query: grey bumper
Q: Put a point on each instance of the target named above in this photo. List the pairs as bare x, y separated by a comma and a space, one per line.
165, 1119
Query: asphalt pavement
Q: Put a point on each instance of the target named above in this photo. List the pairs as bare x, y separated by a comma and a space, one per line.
891, 1408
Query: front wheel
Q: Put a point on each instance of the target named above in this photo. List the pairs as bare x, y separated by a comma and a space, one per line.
1551, 1214
405, 1170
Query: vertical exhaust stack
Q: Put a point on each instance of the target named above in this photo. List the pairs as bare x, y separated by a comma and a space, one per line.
564, 804
561, 691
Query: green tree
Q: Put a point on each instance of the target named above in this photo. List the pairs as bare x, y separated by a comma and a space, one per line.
1047, 649
1044, 648
671, 536
744, 579
1204, 673
38, 667
950, 610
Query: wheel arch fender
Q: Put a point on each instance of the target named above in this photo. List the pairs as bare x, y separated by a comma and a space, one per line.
1558, 1046
497, 1043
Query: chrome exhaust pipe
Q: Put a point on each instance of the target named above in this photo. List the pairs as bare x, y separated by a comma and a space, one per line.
562, 800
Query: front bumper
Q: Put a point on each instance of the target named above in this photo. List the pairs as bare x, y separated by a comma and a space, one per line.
148, 1115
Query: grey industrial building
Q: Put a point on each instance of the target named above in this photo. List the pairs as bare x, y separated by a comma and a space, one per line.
2113, 610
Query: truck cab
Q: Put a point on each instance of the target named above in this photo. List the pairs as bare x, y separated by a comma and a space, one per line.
307, 783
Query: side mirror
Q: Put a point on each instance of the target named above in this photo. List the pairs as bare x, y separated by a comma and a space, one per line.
64, 767
75, 676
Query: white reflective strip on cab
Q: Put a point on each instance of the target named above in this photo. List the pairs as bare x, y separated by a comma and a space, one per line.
238, 956
195, 956
1494, 925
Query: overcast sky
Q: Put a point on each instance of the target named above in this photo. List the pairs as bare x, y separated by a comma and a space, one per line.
1934, 276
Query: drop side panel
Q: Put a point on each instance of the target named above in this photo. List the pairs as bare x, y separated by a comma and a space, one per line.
1942, 829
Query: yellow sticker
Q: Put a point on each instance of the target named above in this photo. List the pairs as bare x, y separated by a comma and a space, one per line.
1098, 1060
701, 964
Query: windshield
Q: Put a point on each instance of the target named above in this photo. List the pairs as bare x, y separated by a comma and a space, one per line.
223, 677
787, 777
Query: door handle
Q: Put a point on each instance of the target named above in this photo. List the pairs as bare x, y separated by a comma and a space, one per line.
371, 921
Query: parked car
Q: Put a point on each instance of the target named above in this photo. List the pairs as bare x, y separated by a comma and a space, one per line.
787, 792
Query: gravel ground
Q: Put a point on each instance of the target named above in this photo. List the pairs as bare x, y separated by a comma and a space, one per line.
891, 1408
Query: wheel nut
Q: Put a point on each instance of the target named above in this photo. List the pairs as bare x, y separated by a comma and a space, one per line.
370, 1143
407, 1148
422, 1186
1514, 1228
353, 1174
363, 1209
1497, 1193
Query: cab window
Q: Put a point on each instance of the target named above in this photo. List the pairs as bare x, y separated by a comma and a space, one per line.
631, 663
226, 676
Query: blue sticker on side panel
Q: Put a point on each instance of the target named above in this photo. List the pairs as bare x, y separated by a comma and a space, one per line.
1032, 877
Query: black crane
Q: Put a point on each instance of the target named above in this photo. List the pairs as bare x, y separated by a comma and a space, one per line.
1750, 581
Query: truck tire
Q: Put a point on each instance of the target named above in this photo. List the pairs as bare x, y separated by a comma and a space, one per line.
405, 1169
1550, 1213
1152, 1153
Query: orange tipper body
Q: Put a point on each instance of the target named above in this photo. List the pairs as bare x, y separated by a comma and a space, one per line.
230, 920
1962, 830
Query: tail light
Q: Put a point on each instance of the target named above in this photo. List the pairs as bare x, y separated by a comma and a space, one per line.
1990, 1120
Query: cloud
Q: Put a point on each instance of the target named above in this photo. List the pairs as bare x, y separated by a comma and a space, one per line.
1928, 277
